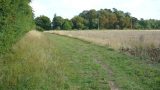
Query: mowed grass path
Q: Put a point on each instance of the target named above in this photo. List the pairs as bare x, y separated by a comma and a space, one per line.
53, 62
129, 73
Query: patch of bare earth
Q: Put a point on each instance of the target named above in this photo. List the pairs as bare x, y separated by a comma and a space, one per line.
111, 83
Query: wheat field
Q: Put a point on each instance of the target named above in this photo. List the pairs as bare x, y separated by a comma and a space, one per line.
116, 38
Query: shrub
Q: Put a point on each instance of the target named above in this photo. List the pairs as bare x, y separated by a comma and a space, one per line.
15, 20
67, 25
43, 22
39, 28
149, 52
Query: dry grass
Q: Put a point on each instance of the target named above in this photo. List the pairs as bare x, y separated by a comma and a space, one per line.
136, 42
116, 38
42, 62
32, 65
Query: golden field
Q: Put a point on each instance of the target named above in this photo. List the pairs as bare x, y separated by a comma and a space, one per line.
116, 38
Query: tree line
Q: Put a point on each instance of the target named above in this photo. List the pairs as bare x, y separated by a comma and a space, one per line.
100, 19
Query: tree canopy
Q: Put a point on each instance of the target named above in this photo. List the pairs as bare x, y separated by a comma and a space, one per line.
67, 25
103, 19
57, 22
43, 22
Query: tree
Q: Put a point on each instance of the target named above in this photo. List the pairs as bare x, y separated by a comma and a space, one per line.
43, 22
90, 18
78, 22
142, 24
57, 22
134, 23
67, 25
16, 19
105, 19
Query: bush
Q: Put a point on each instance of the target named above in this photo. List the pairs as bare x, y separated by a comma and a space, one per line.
67, 25
39, 28
43, 22
150, 52
15, 20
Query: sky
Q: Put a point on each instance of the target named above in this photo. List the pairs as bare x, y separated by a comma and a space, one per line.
147, 9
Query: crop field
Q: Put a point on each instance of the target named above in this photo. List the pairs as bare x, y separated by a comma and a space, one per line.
116, 38
142, 43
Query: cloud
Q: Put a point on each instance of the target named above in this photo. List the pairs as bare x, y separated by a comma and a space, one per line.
38, 7
83, 4
69, 8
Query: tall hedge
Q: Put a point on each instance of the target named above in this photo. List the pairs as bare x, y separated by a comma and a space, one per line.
16, 18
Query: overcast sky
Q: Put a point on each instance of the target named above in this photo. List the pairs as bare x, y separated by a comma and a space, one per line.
68, 8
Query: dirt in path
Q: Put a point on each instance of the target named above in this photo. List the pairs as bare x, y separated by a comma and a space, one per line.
112, 84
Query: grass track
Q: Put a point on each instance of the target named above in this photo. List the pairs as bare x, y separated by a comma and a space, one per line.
130, 73
55, 62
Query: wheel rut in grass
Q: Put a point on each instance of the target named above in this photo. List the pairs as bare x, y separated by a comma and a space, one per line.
82, 48
111, 82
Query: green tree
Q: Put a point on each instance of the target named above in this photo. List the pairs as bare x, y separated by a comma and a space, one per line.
104, 18
90, 18
142, 24
78, 22
43, 22
16, 19
67, 25
134, 23
57, 22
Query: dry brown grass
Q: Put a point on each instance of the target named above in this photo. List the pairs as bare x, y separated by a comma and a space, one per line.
116, 38
136, 42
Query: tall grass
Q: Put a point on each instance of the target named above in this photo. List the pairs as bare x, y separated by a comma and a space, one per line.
44, 62
115, 38
145, 44
31, 65
150, 51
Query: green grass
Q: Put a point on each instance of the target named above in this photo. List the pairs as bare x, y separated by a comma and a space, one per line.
53, 62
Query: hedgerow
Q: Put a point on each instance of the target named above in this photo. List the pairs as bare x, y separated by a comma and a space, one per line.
16, 18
